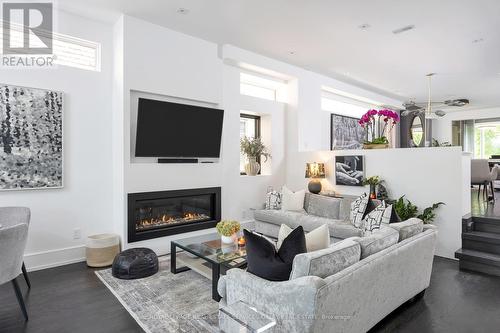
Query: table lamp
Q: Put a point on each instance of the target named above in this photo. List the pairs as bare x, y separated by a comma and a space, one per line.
315, 171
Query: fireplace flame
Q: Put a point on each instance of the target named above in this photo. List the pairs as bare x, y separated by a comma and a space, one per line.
165, 220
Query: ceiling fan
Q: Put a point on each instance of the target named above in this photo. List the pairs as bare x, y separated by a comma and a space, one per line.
415, 108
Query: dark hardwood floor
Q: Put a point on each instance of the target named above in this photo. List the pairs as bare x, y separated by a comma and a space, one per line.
64, 299
72, 299
481, 207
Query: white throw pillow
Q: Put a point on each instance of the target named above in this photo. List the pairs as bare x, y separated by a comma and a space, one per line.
293, 201
376, 217
317, 239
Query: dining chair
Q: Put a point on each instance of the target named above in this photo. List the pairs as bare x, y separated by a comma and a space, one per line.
480, 174
14, 223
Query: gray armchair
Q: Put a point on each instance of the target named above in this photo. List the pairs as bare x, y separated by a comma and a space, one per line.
14, 223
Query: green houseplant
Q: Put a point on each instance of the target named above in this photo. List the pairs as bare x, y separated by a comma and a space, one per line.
228, 230
406, 210
253, 148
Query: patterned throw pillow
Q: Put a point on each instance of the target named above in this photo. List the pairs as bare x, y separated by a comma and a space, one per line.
358, 208
273, 200
381, 214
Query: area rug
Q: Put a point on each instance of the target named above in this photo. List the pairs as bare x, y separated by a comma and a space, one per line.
167, 302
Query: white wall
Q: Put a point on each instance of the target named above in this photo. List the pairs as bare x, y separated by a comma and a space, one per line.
189, 70
441, 128
99, 168
423, 175
85, 200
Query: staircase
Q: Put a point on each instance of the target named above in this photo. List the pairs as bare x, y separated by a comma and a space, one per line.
480, 250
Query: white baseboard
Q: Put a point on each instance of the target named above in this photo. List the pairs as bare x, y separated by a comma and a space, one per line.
53, 258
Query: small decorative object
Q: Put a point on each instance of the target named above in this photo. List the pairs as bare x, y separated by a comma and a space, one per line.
373, 181
101, 249
135, 264
349, 170
228, 230
371, 121
31, 153
315, 171
345, 133
241, 241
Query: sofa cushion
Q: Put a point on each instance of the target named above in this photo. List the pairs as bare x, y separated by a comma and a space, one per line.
279, 217
264, 261
338, 228
326, 262
292, 201
376, 242
408, 228
316, 239
323, 206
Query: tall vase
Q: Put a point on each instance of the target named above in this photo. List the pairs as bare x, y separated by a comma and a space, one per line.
252, 168
373, 194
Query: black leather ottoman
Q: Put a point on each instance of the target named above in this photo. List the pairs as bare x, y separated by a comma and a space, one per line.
135, 264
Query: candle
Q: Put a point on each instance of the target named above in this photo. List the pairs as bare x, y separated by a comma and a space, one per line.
241, 241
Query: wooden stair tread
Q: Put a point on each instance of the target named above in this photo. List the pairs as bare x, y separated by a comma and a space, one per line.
486, 219
481, 236
478, 256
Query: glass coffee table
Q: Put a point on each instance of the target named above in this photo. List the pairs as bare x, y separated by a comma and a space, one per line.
243, 318
208, 256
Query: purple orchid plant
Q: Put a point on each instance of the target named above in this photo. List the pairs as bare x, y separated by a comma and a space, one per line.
372, 118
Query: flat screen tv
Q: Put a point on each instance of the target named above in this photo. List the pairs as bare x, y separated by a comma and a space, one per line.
166, 129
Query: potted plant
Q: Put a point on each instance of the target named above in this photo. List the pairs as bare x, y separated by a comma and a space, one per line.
373, 118
406, 210
373, 181
253, 148
228, 230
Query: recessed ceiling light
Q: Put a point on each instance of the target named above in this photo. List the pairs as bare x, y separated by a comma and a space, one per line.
403, 29
182, 11
291, 52
478, 40
364, 26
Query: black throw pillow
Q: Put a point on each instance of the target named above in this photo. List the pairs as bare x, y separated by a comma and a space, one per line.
371, 205
265, 262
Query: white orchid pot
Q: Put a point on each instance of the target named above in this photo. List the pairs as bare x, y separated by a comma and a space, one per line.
252, 168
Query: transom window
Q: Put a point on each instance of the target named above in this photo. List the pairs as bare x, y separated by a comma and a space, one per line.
68, 50
260, 87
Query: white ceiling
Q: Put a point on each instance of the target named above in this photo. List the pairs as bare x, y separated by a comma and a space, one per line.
325, 37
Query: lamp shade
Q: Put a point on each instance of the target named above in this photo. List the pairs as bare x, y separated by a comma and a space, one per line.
315, 170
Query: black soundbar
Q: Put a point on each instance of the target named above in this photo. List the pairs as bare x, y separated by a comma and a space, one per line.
177, 160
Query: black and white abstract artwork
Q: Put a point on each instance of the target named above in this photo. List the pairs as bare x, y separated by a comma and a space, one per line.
346, 133
31, 147
349, 170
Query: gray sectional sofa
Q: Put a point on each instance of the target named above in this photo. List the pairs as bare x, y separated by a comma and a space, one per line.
318, 210
348, 287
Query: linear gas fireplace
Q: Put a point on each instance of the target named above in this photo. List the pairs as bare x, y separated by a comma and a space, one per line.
158, 214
